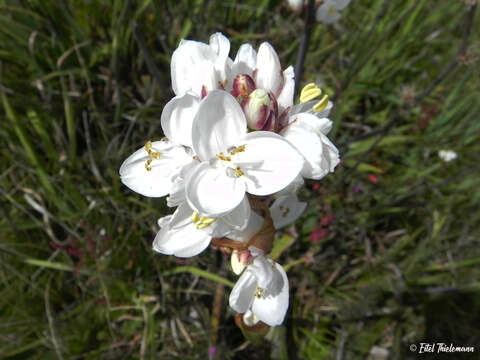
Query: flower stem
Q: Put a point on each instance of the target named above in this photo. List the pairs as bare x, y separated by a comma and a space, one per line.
304, 42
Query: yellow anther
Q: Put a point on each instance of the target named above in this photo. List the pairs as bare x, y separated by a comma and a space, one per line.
200, 221
202, 226
238, 149
259, 292
223, 157
207, 221
195, 217
152, 154
310, 92
321, 105
238, 172
147, 165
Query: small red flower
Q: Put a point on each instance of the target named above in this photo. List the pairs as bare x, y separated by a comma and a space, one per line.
318, 234
373, 178
327, 220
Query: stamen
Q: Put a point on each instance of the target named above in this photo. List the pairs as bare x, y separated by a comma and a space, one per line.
147, 165
195, 217
238, 149
238, 171
321, 105
285, 212
201, 222
310, 92
223, 157
152, 154
259, 292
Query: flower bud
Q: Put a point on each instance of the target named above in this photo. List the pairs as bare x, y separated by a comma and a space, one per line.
242, 86
261, 110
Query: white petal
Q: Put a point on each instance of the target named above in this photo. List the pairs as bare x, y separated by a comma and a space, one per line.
211, 192
269, 72
192, 67
272, 309
220, 45
177, 118
286, 210
177, 193
285, 98
238, 218
321, 156
342, 4
245, 61
263, 270
255, 223
269, 162
164, 221
185, 241
242, 293
308, 108
250, 319
158, 181
237, 265
218, 124
181, 217
319, 125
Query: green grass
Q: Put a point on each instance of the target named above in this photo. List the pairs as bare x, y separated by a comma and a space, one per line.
83, 84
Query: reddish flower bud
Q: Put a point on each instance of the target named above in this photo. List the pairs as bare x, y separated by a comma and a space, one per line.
261, 110
243, 85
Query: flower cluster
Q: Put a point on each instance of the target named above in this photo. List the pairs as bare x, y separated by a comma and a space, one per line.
235, 153
327, 11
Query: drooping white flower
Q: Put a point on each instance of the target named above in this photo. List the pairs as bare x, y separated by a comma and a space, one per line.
447, 155
286, 209
307, 132
150, 171
261, 292
198, 67
329, 11
233, 161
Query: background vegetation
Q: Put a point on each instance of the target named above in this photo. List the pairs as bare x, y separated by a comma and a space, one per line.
82, 85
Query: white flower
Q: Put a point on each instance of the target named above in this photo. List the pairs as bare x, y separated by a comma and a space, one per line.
261, 292
286, 209
296, 5
233, 161
150, 171
186, 233
329, 11
199, 67
447, 155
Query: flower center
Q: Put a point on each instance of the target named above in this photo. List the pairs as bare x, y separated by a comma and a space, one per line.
312, 91
152, 154
227, 157
259, 292
200, 221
